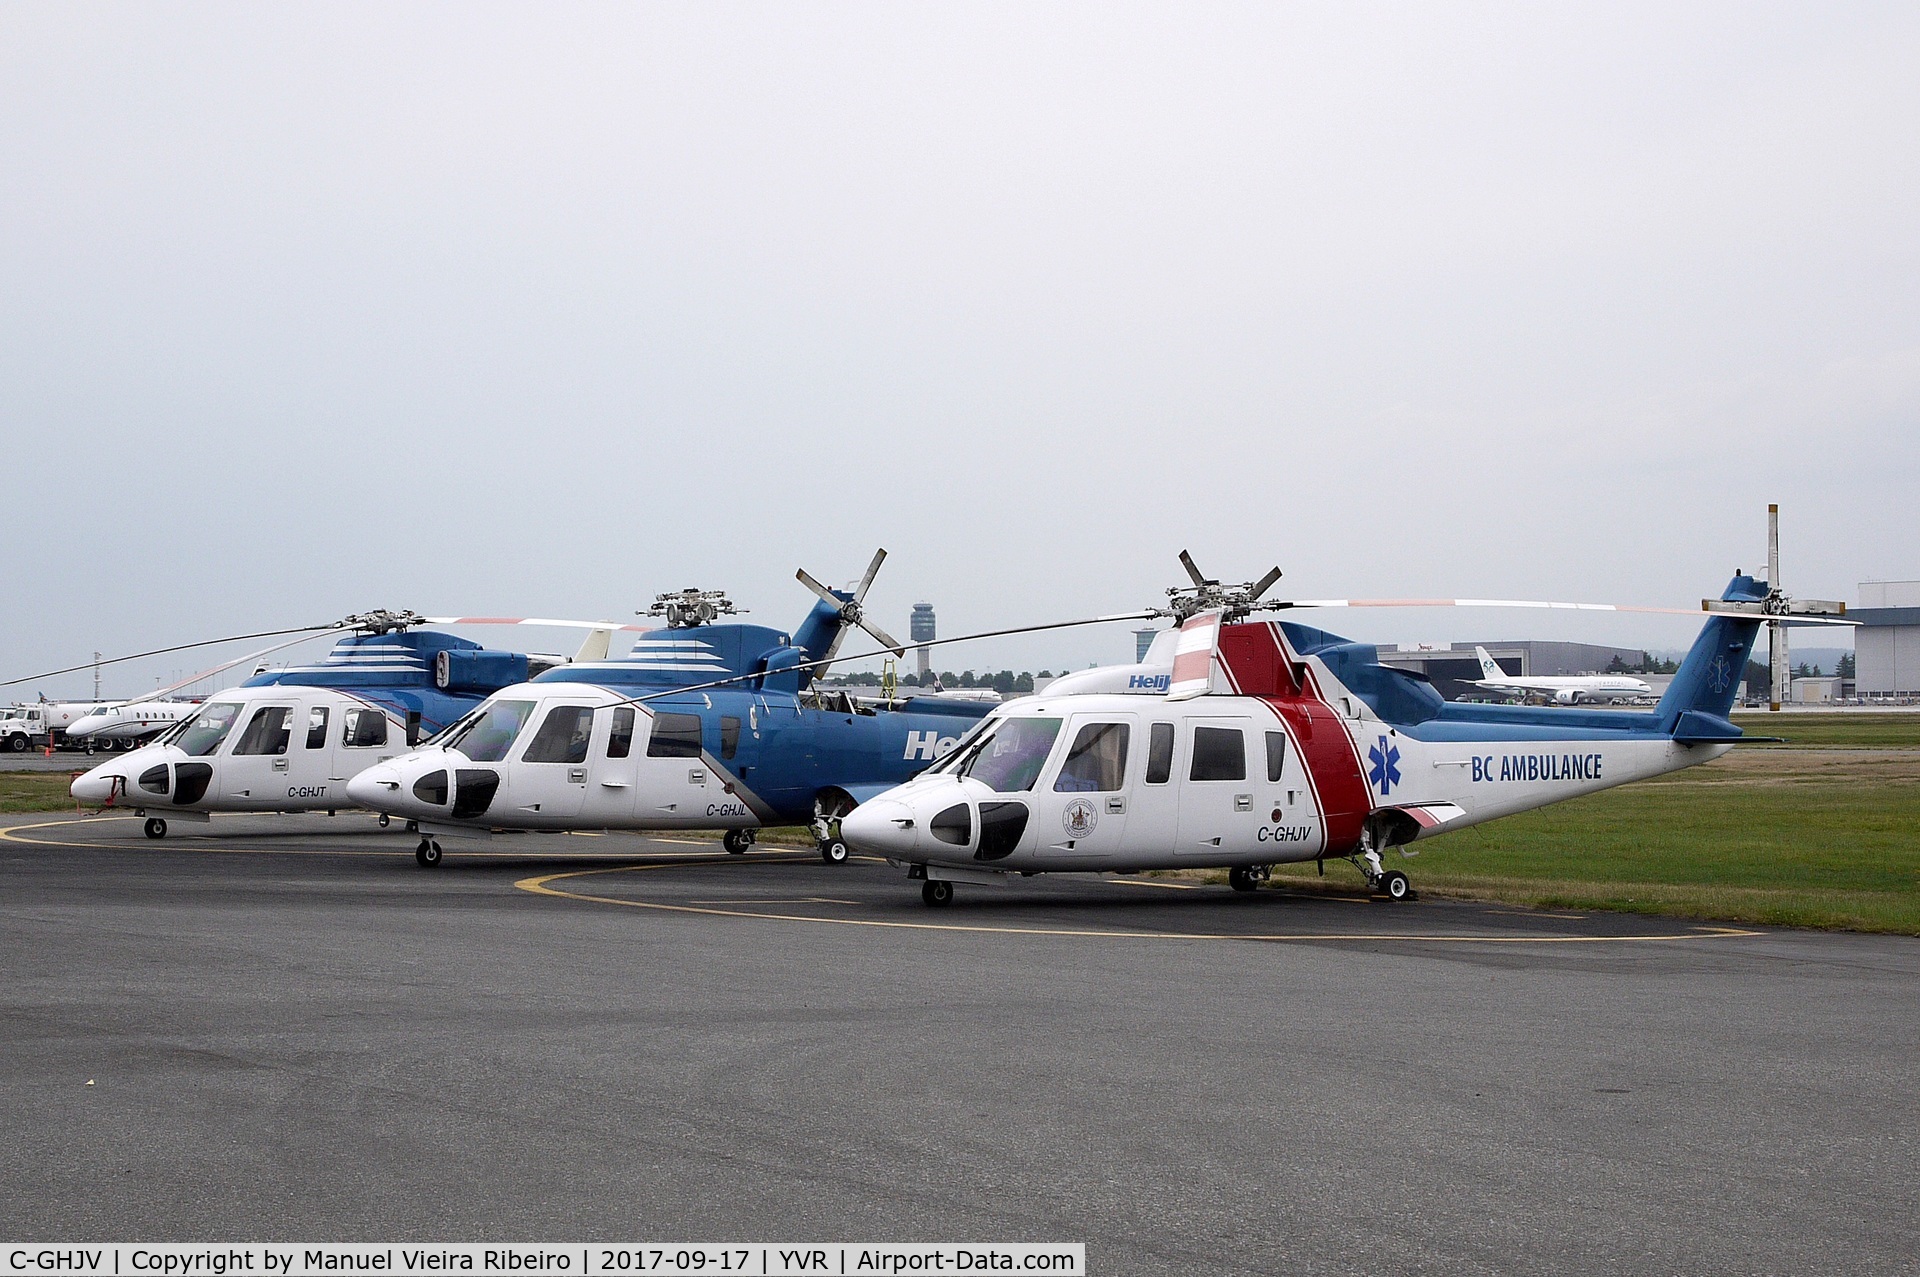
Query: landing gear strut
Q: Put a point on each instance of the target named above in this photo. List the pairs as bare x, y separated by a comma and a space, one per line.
1382, 881
827, 811
1248, 877
156, 827
736, 841
427, 854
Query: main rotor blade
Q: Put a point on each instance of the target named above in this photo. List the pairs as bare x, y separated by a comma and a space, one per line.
221, 668
873, 570
556, 622
806, 578
1193, 570
1527, 603
904, 648
178, 647
1264, 584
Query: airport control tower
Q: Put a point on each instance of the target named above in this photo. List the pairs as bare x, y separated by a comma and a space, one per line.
1142, 640
920, 630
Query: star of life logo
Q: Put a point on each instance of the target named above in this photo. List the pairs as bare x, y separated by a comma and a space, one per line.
1385, 773
1719, 674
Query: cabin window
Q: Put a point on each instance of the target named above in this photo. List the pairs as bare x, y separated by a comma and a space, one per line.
432, 788
1097, 763
1219, 753
155, 779
317, 727
202, 734
365, 728
490, 733
268, 733
620, 739
1276, 755
1008, 760
1001, 825
729, 736
674, 736
1159, 753
563, 737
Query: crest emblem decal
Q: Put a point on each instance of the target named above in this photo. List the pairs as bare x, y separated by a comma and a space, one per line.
1080, 817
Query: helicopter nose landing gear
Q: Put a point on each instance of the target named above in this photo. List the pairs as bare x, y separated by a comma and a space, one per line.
936, 893
427, 854
156, 827
1248, 877
736, 841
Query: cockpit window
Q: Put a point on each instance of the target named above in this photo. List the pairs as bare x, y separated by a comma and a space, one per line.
963, 748
491, 732
205, 731
1097, 763
267, 733
563, 737
1008, 760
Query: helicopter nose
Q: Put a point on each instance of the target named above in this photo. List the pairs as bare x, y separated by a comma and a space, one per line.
882, 827
97, 787
379, 788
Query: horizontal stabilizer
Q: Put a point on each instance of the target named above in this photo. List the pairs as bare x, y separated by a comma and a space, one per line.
1698, 728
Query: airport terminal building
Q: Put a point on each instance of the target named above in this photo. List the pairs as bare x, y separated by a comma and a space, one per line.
1886, 647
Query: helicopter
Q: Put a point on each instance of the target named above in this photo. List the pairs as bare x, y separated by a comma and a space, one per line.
1270, 742
705, 724
289, 740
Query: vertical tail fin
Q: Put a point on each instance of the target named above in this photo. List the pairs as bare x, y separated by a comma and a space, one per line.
1489, 668
1710, 676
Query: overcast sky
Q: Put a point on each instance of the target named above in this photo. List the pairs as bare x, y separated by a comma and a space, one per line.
543, 310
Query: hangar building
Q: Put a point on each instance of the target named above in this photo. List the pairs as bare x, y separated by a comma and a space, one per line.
1886, 647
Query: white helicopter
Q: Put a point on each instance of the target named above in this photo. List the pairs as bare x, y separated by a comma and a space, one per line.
291, 739
1272, 742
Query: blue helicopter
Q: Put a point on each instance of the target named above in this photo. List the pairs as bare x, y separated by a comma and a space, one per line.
613, 745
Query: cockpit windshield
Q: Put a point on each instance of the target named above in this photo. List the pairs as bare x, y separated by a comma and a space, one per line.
202, 734
492, 731
1008, 759
448, 732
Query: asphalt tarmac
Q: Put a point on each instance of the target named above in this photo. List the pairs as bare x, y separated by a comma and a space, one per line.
288, 1031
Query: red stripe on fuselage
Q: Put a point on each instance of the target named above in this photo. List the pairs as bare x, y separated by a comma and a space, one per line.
1260, 665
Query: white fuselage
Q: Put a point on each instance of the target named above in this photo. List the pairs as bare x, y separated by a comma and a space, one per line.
131, 720
251, 749
1232, 780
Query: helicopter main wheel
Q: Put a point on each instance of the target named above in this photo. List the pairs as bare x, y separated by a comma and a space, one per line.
936, 893
156, 827
834, 851
736, 841
1243, 878
427, 854
1394, 885
384, 822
